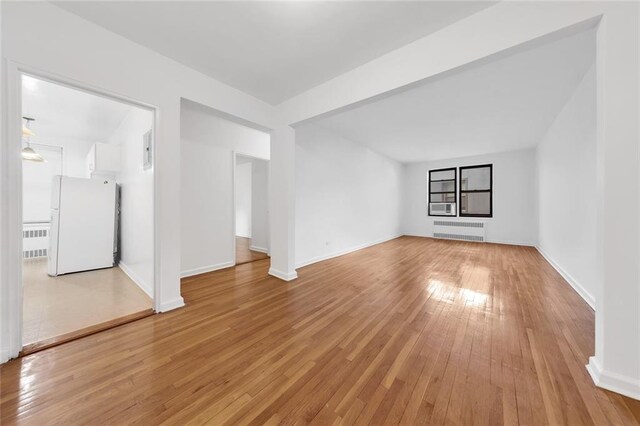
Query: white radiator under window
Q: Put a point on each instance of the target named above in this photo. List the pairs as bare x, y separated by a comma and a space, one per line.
459, 230
35, 239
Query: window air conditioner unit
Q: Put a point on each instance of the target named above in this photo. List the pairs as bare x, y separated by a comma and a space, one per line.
442, 209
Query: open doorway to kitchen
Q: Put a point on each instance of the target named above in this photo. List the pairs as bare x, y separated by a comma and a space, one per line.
88, 184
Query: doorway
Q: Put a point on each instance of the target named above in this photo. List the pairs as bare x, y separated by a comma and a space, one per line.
87, 212
251, 180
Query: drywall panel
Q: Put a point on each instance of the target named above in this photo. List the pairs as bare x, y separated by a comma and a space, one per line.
243, 199
567, 190
260, 205
347, 196
136, 199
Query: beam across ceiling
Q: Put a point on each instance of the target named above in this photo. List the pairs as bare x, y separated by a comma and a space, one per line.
499, 30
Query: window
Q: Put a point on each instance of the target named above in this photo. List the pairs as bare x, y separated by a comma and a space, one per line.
476, 191
442, 192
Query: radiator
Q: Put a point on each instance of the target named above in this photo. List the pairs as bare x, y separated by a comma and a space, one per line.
459, 230
35, 239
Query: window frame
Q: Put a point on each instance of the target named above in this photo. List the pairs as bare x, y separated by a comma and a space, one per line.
455, 189
490, 191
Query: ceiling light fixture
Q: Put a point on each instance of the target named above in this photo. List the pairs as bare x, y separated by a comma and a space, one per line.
26, 131
29, 153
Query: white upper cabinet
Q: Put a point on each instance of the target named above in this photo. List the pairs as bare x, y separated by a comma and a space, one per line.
103, 159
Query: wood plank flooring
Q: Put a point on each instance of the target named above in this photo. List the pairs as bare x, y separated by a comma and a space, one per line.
412, 331
244, 254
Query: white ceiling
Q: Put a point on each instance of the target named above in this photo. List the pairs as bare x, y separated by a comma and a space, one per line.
273, 50
503, 105
62, 112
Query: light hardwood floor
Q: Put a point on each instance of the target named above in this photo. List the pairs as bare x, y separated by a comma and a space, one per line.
244, 254
412, 331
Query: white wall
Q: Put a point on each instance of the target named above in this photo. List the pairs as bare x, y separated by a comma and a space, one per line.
243, 199
514, 218
6, 322
74, 154
567, 190
37, 180
260, 205
207, 145
347, 196
136, 199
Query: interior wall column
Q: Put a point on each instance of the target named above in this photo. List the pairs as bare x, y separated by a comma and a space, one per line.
167, 206
282, 203
616, 364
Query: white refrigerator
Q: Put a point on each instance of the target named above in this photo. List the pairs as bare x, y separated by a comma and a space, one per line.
83, 225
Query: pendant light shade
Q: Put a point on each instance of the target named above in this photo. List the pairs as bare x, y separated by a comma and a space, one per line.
28, 153
27, 131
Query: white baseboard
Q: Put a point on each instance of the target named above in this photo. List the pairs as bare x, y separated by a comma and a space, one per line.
171, 305
512, 243
136, 279
4, 356
613, 381
205, 269
345, 251
283, 275
591, 301
260, 249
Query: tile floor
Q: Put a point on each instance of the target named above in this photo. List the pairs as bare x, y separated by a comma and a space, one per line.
54, 306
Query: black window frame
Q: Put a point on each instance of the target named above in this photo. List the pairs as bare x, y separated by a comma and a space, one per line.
490, 191
455, 189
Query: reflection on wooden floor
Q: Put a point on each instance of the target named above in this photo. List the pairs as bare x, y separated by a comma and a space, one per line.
411, 331
57, 306
244, 254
